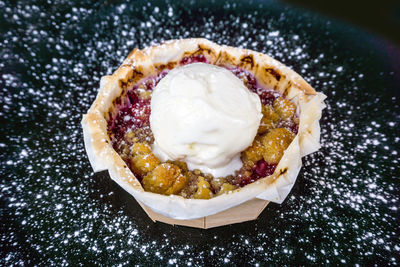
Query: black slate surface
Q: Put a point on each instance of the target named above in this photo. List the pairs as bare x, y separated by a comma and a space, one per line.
344, 208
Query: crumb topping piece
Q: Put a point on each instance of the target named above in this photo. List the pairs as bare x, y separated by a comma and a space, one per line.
203, 189
226, 188
275, 143
142, 160
165, 179
284, 108
269, 119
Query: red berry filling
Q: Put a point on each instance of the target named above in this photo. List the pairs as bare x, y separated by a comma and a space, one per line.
260, 169
193, 59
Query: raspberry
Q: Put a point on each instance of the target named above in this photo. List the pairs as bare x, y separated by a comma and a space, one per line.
193, 59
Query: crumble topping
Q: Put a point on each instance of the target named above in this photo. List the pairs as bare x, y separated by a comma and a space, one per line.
131, 136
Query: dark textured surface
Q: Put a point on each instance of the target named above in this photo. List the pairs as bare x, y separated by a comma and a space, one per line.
344, 208
382, 18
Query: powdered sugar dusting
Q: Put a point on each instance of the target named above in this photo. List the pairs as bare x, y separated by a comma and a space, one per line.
55, 211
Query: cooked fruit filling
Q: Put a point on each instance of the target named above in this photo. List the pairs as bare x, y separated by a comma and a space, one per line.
131, 136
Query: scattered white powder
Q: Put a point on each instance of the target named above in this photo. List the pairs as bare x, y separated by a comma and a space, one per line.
343, 208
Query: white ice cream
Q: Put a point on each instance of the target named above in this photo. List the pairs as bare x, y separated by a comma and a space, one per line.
204, 115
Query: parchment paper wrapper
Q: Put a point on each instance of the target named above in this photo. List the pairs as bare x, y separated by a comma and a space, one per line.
240, 205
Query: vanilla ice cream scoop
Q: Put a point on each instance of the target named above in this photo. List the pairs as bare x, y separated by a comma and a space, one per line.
205, 116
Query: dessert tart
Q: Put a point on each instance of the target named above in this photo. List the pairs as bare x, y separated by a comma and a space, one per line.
191, 128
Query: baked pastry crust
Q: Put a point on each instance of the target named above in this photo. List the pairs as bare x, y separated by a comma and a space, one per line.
269, 72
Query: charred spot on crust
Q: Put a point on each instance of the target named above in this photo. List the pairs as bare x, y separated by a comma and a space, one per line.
225, 59
248, 60
132, 76
286, 90
117, 101
160, 67
274, 73
136, 75
202, 54
281, 172
122, 84
203, 49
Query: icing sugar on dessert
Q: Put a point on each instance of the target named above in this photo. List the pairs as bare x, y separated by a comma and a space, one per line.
204, 115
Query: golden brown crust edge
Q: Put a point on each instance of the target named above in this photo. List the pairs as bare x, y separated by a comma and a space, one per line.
149, 61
